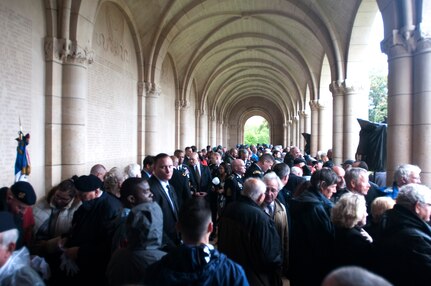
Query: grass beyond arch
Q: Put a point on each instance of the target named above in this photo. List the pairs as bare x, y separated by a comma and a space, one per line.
256, 130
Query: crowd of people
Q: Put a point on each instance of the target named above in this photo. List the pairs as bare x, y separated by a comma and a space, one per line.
250, 215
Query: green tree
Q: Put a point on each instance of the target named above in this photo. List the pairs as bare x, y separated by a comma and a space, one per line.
378, 98
256, 133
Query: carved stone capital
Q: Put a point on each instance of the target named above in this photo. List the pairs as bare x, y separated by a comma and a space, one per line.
314, 105
303, 113
398, 45
337, 88
182, 104
152, 90
78, 54
351, 86
423, 44
67, 51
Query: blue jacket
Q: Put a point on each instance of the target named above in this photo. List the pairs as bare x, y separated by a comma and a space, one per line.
195, 265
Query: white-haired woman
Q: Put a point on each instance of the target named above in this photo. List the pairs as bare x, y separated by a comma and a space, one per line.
353, 245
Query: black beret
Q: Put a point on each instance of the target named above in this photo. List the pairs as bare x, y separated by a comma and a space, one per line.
88, 183
6, 221
24, 192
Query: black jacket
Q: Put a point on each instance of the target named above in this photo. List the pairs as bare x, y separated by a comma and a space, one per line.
404, 248
93, 226
170, 214
248, 236
312, 238
233, 187
352, 248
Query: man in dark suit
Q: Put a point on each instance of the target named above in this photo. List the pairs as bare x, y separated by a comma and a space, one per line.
164, 195
181, 183
200, 175
201, 180
147, 170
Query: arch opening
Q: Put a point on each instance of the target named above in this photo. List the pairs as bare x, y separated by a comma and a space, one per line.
256, 130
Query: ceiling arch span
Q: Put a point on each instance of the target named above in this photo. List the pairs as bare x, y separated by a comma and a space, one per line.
265, 64
247, 97
287, 56
241, 87
301, 14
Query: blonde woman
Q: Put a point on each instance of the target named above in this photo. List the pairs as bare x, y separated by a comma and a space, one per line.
353, 245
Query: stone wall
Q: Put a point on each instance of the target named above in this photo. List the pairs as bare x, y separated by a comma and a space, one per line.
22, 70
112, 96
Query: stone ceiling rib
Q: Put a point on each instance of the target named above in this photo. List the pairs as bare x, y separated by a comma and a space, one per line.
224, 46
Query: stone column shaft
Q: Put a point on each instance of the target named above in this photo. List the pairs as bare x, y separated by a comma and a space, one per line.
151, 119
314, 127
422, 107
183, 125
400, 86
74, 110
203, 129
337, 132
213, 132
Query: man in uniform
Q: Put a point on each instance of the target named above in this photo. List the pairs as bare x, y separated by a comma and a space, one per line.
259, 169
234, 183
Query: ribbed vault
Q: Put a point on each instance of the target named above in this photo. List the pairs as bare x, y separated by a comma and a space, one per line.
242, 55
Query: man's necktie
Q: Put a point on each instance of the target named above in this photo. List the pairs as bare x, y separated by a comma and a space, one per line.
171, 198
198, 175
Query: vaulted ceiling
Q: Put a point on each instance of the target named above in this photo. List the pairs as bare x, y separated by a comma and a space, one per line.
235, 50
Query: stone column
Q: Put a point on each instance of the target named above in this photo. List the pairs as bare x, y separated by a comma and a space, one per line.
295, 128
203, 129
354, 97
400, 87
141, 122
53, 117
321, 126
74, 110
220, 135
302, 123
314, 127
422, 108
285, 135
184, 129
213, 131
289, 133
337, 91
152, 94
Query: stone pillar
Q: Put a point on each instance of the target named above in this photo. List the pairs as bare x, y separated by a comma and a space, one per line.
213, 131
321, 126
314, 127
337, 91
289, 133
225, 134
302, 123
152, 94
74, 110
422, 107
184, 129
53, 117
354, 97
295, 128
400, 87
203, 129
220, 135
285, 135
141, 122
